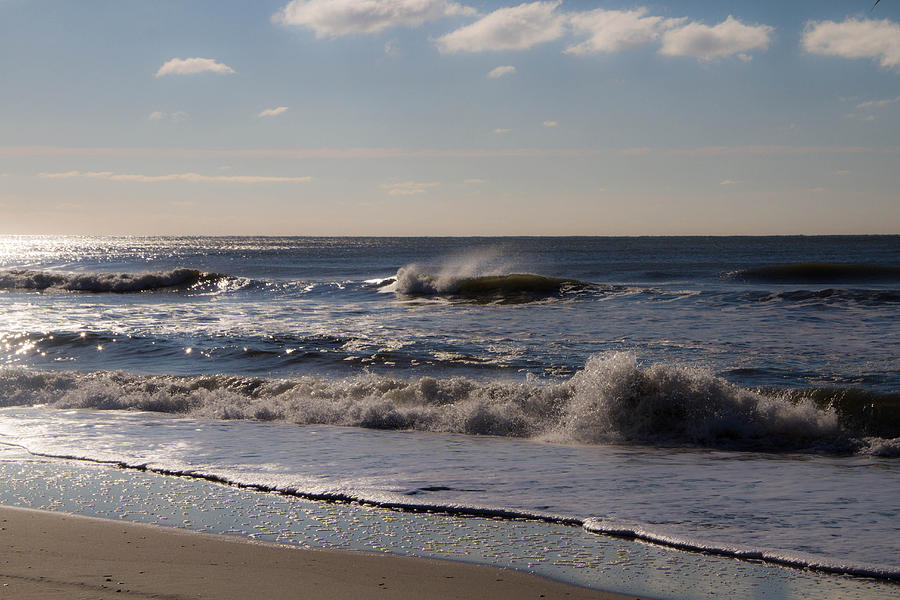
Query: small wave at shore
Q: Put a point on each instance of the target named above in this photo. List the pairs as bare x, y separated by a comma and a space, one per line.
413, 502
647, 533
814, 272
611, 400
118, 283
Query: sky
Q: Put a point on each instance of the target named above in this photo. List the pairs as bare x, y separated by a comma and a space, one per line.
443, 117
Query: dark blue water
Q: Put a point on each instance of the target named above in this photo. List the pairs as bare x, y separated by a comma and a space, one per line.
287, 306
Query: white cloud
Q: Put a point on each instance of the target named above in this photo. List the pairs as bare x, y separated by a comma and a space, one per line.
878, 103
273, 112
550, 123
615, 30
408, 188
853, 38
474, 181
511, 28
192, 66
190, 177
501, 71
501, 131
156, 116
727, 182
332, 18
707, 43
390, 48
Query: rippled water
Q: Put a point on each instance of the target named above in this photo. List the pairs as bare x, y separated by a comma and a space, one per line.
732, 394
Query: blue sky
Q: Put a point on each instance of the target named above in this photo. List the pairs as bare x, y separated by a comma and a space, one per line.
435, 117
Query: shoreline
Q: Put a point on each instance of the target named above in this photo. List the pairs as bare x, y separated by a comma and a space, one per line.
60, 555
593, 564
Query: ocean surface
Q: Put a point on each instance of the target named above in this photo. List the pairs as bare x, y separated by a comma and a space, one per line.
739, 396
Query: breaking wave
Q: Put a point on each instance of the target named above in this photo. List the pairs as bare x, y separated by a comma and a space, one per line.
815, 272
611, 400
119, 283
412, 281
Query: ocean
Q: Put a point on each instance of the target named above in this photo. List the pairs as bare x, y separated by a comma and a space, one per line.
726, 396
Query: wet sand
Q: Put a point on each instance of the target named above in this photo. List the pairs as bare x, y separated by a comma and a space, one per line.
48, 555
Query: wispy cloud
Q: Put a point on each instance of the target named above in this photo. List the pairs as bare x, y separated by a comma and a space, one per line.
408, 188
855, 38
175, 117
437, 153
501, 131
634, 151
550, 123
272, 112
615, 30
878, 103
333, 18
474, 181
193, 66
510, 28
776, 150
727, 182
189, 177
501, 71
708, 43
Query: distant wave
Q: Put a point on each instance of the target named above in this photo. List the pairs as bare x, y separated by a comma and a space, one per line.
411, 281
611, 400
868, 297
119, 283
815, 272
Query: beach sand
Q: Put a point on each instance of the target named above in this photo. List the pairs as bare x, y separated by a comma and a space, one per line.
50, 555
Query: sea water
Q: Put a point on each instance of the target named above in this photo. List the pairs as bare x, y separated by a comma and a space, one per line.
737, 396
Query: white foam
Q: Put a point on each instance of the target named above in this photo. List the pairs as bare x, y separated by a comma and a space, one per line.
612, 399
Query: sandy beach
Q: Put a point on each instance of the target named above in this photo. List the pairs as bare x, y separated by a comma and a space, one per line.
50, 555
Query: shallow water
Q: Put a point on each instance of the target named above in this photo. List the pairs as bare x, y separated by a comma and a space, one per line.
557, 551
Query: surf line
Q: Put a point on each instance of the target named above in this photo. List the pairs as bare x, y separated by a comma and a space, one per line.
590, 524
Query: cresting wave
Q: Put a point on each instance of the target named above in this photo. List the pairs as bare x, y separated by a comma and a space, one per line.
119, 283
410, 280
611, 400
815, 272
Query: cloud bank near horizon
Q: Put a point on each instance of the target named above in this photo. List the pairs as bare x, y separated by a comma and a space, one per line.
189, 177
